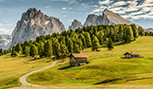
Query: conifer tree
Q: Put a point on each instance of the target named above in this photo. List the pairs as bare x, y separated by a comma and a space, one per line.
64, 50
76, 48
128, 35
70, 45
83, 40
33, 50
41, 48
120, 33
18, 48
95, 44
135, 31
56, 48
88, 39
110, 44
48, 51
13, 54
1, 52
27, 51
141, 31
101, 37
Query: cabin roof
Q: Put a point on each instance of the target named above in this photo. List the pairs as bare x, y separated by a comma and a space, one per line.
77, 55
132, 53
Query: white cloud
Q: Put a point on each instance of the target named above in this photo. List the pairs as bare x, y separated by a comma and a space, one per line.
64, 8
68, 1
131, 10
47, 6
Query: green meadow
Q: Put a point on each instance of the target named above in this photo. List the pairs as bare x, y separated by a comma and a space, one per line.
104, 68
12, 68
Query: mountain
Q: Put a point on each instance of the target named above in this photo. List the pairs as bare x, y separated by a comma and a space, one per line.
75, 24
5, 41
93, 19
148, 30
34, 23
107, 18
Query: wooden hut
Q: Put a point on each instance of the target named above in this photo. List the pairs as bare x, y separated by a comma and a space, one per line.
78, 59
132, 55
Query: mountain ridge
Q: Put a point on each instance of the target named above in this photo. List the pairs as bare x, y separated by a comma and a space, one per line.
34, 23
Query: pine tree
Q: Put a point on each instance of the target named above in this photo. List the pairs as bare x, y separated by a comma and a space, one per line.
110, 44
13, 54
128, 35
83, 40
135, 31
18, 48
64, 50
33, 50
41, 48
70, 45
101, 37
88, 39
5, 51
141, 31
56, 48
48, 51
27, 51
120, 33
95, 44
1, 52
76, 48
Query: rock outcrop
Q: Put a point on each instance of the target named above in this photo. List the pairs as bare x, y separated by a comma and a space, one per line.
107, 18
148, 30
34, 23
5, 41
93, 19
75, 24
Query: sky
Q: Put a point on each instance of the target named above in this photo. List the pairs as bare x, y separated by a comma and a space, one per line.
137, 11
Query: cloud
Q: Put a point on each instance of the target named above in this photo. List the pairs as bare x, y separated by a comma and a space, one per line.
133, 9
67, 1
6, 27
47, 6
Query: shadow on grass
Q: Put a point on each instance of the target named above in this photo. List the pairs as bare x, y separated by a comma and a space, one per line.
65, 67
108, 81
34, 59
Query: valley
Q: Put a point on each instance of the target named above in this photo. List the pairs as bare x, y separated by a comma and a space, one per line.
105, 69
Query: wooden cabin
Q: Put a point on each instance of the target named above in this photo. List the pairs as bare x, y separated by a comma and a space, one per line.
78, 59
132, 55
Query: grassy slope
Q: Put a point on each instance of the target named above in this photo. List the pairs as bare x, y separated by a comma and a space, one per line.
11, 68
105, 66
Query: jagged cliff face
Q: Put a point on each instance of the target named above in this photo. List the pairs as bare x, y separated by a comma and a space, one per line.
5, 41
93, 20
107, 18
34, 23
111, 18
75, 24
148, 30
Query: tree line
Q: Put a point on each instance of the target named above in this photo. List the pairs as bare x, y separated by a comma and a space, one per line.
62, 45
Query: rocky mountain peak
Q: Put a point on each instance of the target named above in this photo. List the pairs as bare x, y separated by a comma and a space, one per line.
93, 19
34, 23
75, 24
112, 18
108, 18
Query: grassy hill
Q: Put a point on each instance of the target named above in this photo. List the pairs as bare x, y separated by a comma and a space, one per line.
11, 68
105, 67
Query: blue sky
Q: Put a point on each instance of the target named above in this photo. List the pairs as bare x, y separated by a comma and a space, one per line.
137, 11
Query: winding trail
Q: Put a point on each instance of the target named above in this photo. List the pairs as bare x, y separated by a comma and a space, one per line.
23, 79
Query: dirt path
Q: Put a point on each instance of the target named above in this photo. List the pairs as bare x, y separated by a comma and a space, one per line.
23, 79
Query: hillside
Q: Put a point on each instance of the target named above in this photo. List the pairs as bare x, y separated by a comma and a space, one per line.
105, 66
11, 68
